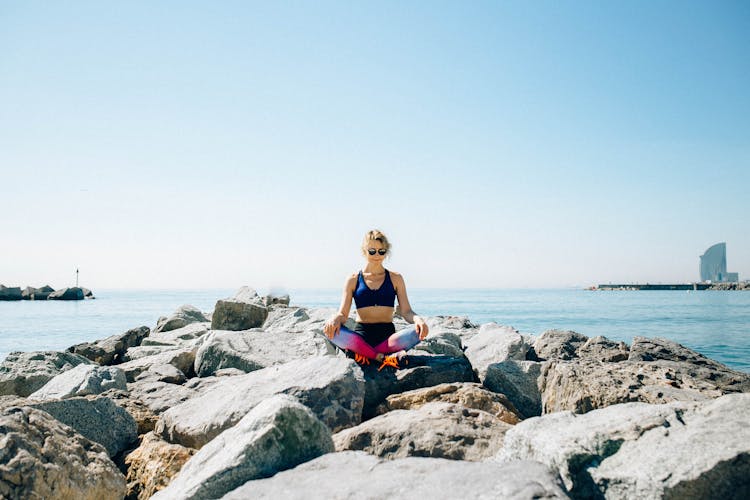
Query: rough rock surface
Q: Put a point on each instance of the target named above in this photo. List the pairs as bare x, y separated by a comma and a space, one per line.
242, 312
256, 349
355, 474
467, 394
71, 293
43, 458
277, 434
22, 373
144, 417
160, 396
182, 359
162, 373
180, 337
494, 344
421, 371
657, 371
111, 350
676, 450
98, 419
438, 430
82, 380
332, 387
183, 316
558, 344
519, 381
153, 464
10, 293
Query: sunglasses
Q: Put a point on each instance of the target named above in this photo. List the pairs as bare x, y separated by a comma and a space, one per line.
372, 251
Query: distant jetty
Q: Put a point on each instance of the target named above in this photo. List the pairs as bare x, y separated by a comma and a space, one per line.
673, 286
44, 293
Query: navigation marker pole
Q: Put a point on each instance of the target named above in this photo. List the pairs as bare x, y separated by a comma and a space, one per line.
76, 277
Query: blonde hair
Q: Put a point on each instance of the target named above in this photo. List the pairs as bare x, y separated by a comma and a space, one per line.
375, 235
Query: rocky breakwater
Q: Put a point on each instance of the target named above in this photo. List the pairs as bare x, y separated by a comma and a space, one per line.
44, 293
252, 401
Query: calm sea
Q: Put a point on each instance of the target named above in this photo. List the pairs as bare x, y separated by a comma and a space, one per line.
715, 323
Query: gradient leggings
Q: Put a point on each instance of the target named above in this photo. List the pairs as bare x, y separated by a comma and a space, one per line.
400, 341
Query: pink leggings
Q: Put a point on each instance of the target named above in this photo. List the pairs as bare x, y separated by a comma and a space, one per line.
399, 341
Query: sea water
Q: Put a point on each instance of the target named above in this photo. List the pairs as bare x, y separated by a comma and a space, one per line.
714, 323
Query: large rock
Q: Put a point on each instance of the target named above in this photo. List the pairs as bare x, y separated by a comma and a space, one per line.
467, 394
332, 387
277, 434
82, 380
111, 350
72, 293
180, 337
421, 371
144, 417
98, 419
10, 293
494, 344
255, 349
242, 312
153, 464
22, 373
31, 293
657, 371
42, 458
160, 396
518, 380
182, 359
183, 316
638, 450
558, 344
355, 474
439, 430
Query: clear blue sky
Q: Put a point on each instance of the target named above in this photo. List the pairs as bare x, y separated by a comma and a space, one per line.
498, 144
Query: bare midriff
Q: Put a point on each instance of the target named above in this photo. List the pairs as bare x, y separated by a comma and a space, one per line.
375, 314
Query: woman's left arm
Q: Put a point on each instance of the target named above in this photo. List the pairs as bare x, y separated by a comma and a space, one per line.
406, 311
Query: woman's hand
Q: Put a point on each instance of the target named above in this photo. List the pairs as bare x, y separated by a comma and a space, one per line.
332, 326
421, 327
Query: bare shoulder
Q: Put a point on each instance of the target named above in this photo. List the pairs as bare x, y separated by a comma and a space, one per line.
397, 278
351, 279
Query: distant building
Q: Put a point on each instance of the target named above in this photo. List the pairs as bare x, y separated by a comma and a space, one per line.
714, 265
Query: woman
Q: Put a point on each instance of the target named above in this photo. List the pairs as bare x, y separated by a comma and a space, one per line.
374, 290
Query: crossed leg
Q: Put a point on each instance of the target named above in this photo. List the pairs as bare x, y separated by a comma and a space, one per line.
400, 341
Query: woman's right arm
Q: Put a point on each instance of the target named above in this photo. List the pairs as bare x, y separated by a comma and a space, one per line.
333, 325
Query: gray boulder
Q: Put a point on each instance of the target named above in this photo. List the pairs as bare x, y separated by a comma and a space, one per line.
159, 396
82, 380
22, 373
657, 371
332, 387
421, 371
31, 293
676, 450
182, 359
439, 430
71, 293
183, 316
443, 342
276, 300
43, 458
278, 434
10, 293
558, 344
520, 381
180, 337
355, 474
98, 419
162, 373
111, 350
242, 312
466, 394
494, 344
256, 349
